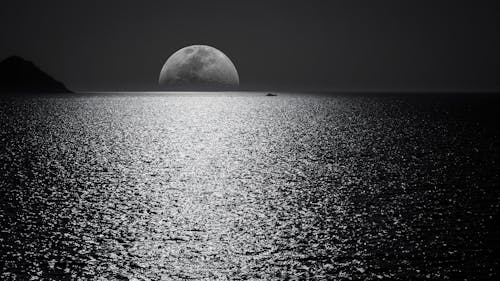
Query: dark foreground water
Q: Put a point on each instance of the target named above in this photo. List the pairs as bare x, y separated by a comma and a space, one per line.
242, 187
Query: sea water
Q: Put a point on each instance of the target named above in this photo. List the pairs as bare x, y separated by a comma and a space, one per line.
237, 187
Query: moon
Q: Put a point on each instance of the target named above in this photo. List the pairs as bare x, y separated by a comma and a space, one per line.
199, 67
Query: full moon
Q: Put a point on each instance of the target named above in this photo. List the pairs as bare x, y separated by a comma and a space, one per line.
199, 67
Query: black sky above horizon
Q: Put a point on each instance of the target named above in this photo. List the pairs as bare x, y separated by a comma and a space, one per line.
275, 45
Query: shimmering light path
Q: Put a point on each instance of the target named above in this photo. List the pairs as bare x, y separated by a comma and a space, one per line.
235, 187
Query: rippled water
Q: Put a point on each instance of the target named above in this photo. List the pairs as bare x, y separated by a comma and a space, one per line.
247, 187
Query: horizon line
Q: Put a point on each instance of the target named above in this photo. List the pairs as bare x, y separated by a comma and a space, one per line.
388, 91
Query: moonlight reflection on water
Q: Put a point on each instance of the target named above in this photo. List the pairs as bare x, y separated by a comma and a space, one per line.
243, 187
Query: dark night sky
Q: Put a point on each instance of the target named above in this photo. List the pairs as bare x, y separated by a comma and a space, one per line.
287, 45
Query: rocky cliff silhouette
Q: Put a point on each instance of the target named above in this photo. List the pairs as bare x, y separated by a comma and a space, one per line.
18, 75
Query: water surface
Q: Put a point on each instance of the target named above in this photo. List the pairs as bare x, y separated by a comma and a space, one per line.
248, 188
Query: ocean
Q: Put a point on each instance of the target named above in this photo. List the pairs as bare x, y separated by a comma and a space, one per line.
248, 187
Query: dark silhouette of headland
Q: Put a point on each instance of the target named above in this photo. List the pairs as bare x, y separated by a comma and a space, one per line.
19, 76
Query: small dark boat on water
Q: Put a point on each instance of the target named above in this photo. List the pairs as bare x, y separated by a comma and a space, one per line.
270, 95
